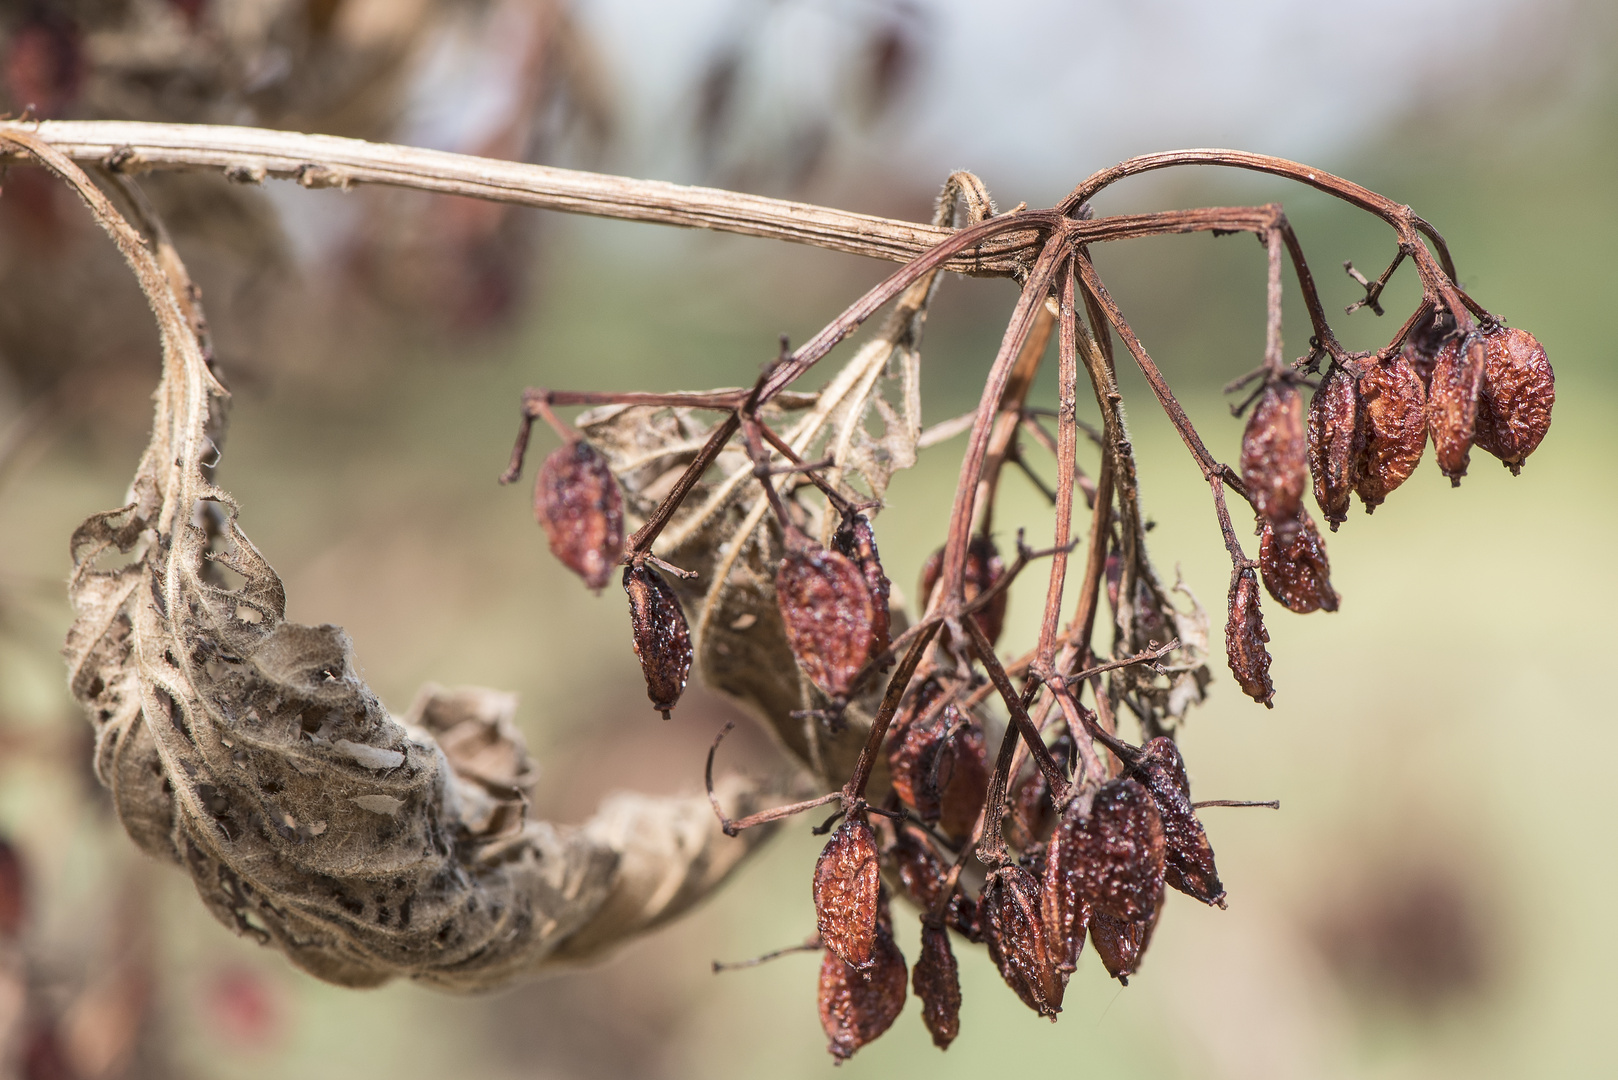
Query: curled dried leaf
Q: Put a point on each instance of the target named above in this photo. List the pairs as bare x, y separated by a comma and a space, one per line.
856, 540
661, 638
1275, 456
1114, 853
847, 891
1297, 573
1188, 858
1245, 638
857, 1006
983, 568
1514, 406
1336, 443
1015, 934
937, 982
1121, 944
578, 502
830, 616
1452, 402
1394, 413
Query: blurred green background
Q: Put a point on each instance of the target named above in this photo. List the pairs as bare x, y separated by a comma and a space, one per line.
1433, 897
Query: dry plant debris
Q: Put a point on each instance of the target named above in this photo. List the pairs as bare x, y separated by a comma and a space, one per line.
248, 750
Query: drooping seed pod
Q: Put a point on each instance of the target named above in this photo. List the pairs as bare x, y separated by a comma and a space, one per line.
858, 1005
1452, 402
1423, 342
1116, 850
661, 637
1336, 443
914, 745
1015, 934
1275, 456
578, 502
937, 982
830, 616
1121, 944
1062, 909
967, 780
1245, 638
856, 540
1032, 814
1514, 405
1188, 858
921, 875
983, 568
1394, 405
1297, 574
847, 892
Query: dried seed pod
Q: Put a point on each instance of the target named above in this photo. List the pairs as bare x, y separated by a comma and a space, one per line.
1423, 342
1452, 402
847, 892
578, 502
1032, 814
983, 569
937, 982
856, 540
1121, 944
1297, 574
1116, 851
1336, 442
1275, 456
830, 616
1061, 907
1394, 414
1188, 858
1514, 405
857, 1005
914, 745
966, 781
662, 639
1015, 933
1245, 637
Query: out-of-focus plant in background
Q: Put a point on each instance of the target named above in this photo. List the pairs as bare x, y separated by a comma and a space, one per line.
1430, 901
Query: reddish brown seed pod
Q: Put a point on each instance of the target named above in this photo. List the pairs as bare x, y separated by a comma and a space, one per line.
963, 776
856, 540
983, 568
1032, 814
857, 1006
1275, 455
578, 502
1297, 574
847, 892
1121, 944
1015, 934
1062, 909
1116, 851
1514, 404
914, 746
1452, 402
662, 639
1394, 411
1245, 638
937, 982
1188, 858
1336, 443
1422, 345
830, 616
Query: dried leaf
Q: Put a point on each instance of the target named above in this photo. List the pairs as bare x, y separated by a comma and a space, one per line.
1297, 574
578, 502
1275, 456
1188, 863
937, 982
1245, 638
1336, 442
1394, 419
1452, 402
857, 1006
830, 617
1015, 934
661, 638
847, 890
1514, 406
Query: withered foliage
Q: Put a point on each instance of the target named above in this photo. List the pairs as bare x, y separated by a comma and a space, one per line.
858, 1004
847, 890
1297, 573
661, 638
578, 502
1245, 639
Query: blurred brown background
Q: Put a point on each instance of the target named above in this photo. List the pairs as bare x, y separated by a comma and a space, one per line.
1432, 900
